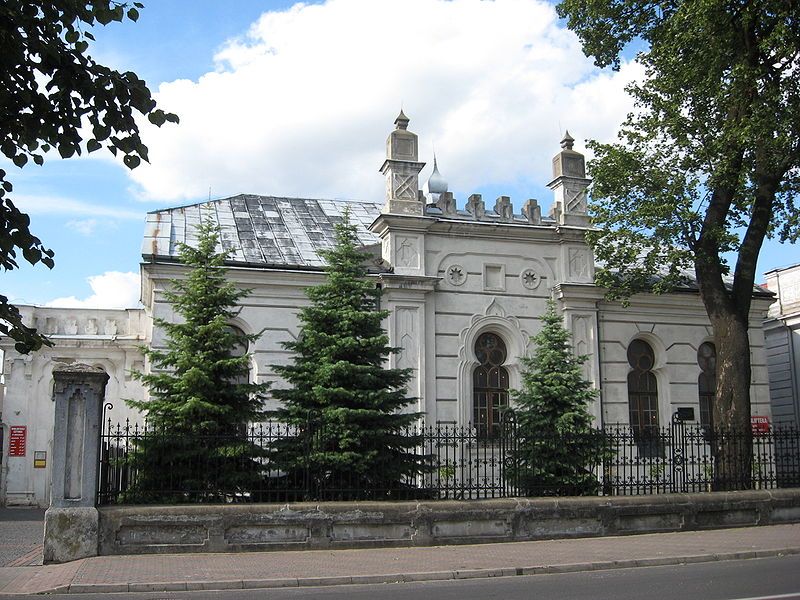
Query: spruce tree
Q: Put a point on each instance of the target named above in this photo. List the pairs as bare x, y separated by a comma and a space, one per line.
196, 446
342, 401
557, 446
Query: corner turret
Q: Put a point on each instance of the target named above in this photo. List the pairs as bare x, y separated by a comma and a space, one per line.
569, 186
401, 169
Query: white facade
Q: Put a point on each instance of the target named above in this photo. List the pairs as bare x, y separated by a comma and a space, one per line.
448, 275
109, 339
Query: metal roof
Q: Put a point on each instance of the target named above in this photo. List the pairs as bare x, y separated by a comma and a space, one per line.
264, 230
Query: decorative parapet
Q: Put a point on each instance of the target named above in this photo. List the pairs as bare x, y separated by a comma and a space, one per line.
532, 212
476, 207
85, 323
569, 207
446, 207
503, 209
447, 204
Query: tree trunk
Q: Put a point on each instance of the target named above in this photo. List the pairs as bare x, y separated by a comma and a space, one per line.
732, 438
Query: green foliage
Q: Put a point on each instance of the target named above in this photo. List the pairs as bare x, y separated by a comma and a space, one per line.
201, 400
557, 444
52, 95
341, 398
707, 166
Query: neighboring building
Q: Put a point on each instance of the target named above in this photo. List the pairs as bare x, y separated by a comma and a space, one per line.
782, 335
464, 287
109, 339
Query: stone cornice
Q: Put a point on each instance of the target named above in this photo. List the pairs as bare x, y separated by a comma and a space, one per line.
485, 229
424, 283
644, 302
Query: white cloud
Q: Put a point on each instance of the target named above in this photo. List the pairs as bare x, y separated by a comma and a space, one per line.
83, 226
87, 227
302, 103
112, 289
56, 205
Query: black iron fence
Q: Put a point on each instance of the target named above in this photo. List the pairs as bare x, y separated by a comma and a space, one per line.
455, 462
692, 458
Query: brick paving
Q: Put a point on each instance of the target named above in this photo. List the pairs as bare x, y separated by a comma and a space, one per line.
318, 567
21, 531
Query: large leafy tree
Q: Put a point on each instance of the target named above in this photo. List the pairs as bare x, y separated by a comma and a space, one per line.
346, 406
196, 445
54, 97
557, 447
707, 166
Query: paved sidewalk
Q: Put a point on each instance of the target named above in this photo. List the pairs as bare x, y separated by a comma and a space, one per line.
331, 567
21, 531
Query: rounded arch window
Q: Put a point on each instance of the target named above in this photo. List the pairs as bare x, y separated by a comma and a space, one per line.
707, 382
642, 389
641, 355
489, 384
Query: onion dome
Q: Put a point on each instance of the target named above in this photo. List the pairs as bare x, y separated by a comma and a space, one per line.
436, 183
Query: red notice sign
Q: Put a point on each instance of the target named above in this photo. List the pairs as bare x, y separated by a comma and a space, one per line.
17, 439
759, 424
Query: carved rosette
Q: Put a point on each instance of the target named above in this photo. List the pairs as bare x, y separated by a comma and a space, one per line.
530, 279
456, 275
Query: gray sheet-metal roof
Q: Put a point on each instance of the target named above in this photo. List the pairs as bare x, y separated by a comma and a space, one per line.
260, 229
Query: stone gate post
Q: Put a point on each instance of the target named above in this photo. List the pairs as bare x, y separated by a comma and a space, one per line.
71, 522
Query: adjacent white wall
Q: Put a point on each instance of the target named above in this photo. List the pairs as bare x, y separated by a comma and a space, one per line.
108, 339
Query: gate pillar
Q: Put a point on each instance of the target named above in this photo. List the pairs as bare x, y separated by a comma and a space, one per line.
71, 522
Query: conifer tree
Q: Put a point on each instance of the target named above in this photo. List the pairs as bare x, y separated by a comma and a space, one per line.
557, 446
344, 403
196, 447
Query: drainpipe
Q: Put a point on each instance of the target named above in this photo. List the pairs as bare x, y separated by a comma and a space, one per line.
599, 366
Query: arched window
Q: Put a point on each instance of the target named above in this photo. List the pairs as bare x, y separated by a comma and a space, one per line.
489, 384
707, 382
642, 389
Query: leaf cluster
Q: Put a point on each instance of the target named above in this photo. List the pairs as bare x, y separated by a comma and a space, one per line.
52, 88
55, 97
708, 164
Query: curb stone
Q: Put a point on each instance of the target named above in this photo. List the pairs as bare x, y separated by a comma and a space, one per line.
168, 586
96, 588
255, 584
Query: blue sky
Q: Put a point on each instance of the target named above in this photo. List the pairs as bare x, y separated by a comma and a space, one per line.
298, 103
172, 39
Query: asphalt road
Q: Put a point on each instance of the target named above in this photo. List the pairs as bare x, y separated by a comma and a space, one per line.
754, 579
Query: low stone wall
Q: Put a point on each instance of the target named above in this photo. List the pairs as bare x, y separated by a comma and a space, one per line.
302, 526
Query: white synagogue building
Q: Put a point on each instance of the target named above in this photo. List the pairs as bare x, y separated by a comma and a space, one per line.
464, 283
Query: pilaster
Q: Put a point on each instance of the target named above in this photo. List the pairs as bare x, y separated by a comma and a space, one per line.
411, 330
71, 522
579, 308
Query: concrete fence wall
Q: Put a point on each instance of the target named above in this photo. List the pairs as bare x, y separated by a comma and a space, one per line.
261, 527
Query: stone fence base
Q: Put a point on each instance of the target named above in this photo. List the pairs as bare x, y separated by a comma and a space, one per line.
303, 526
